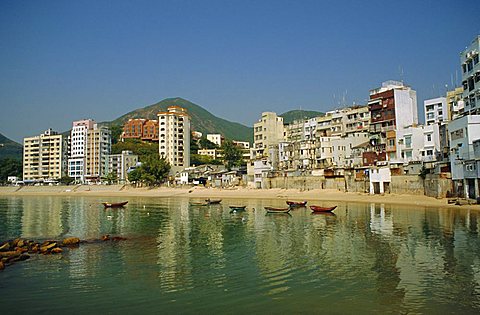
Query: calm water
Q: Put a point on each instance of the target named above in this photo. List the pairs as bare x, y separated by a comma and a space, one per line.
366, 259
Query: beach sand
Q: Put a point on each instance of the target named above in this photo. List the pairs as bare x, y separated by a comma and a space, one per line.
237, 192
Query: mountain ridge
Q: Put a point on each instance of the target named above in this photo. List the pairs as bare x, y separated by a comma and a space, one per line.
202, 120
10, 148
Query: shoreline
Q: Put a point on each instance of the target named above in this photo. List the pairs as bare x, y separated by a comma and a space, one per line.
237, 192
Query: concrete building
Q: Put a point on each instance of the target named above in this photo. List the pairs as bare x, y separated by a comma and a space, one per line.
44, 157
215, 138
213, 153
142, 129
268, 132
469, 60
174, 137
90, 146
455, 104
463, 132
121, 163
436, 110
392, 107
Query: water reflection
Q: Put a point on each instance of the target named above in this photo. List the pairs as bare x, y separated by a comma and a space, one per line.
379, 257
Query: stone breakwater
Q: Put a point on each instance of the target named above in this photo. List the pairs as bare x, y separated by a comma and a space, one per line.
20, 249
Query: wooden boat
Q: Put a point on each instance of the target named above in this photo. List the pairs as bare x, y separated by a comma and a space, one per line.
296, 203
277, 210
322, 209
114, 204
237, 208
199, 203
213, 201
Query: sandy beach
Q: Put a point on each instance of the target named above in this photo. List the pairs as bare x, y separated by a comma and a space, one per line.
237, 192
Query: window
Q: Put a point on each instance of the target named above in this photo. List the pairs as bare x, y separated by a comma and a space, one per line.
429, 137
429, 152
475, 59
408, 141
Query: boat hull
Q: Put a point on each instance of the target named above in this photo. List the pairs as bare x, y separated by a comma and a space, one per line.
277, 210
322, 209
114, 205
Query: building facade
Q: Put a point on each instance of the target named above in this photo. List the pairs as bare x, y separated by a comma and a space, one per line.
142, 129
470, 64
121, 163
392, 107
44, 157
90, 146
174, 137
268, 132
436, 111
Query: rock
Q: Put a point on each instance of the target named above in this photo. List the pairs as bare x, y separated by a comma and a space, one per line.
5, 247
71, 241
20, 243
34, 249
9, 254
56, 250
106, 237
2, 265
21, 249
118, 238
45, 248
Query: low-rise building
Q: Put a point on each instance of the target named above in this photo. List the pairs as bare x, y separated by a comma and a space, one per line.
120, 164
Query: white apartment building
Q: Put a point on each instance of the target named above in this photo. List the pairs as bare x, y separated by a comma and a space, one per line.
90, 146
436, 110
44, 157
470, 63
268, 132
215, 138
174, 137
463, 132
213, 153
121, 163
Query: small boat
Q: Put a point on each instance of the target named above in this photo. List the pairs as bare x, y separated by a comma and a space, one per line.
237, 208
322, 209
213, 201
199, 203
296, 203
114, 204
277, 210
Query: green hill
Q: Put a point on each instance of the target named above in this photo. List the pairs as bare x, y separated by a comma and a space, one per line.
297, 114
10, 148
202, 120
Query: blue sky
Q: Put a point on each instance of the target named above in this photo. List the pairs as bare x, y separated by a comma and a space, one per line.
66, 60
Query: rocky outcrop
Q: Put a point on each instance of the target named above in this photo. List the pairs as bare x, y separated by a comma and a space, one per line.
20, 249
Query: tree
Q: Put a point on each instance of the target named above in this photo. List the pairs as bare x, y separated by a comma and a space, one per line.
66, 180
154, 170
116, 131
207, 144
110, 178
142, 149
232, 155
10, 167
135, 176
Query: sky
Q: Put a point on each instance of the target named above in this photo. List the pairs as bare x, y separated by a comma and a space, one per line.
62, 61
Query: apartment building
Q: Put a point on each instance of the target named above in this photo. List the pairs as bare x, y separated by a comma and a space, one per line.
469, 60
455, 104
268, 132
174, 137
436, 110
44, 157
121, 163
142, 129
215, 138
393, 107
463, 132
90, 146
